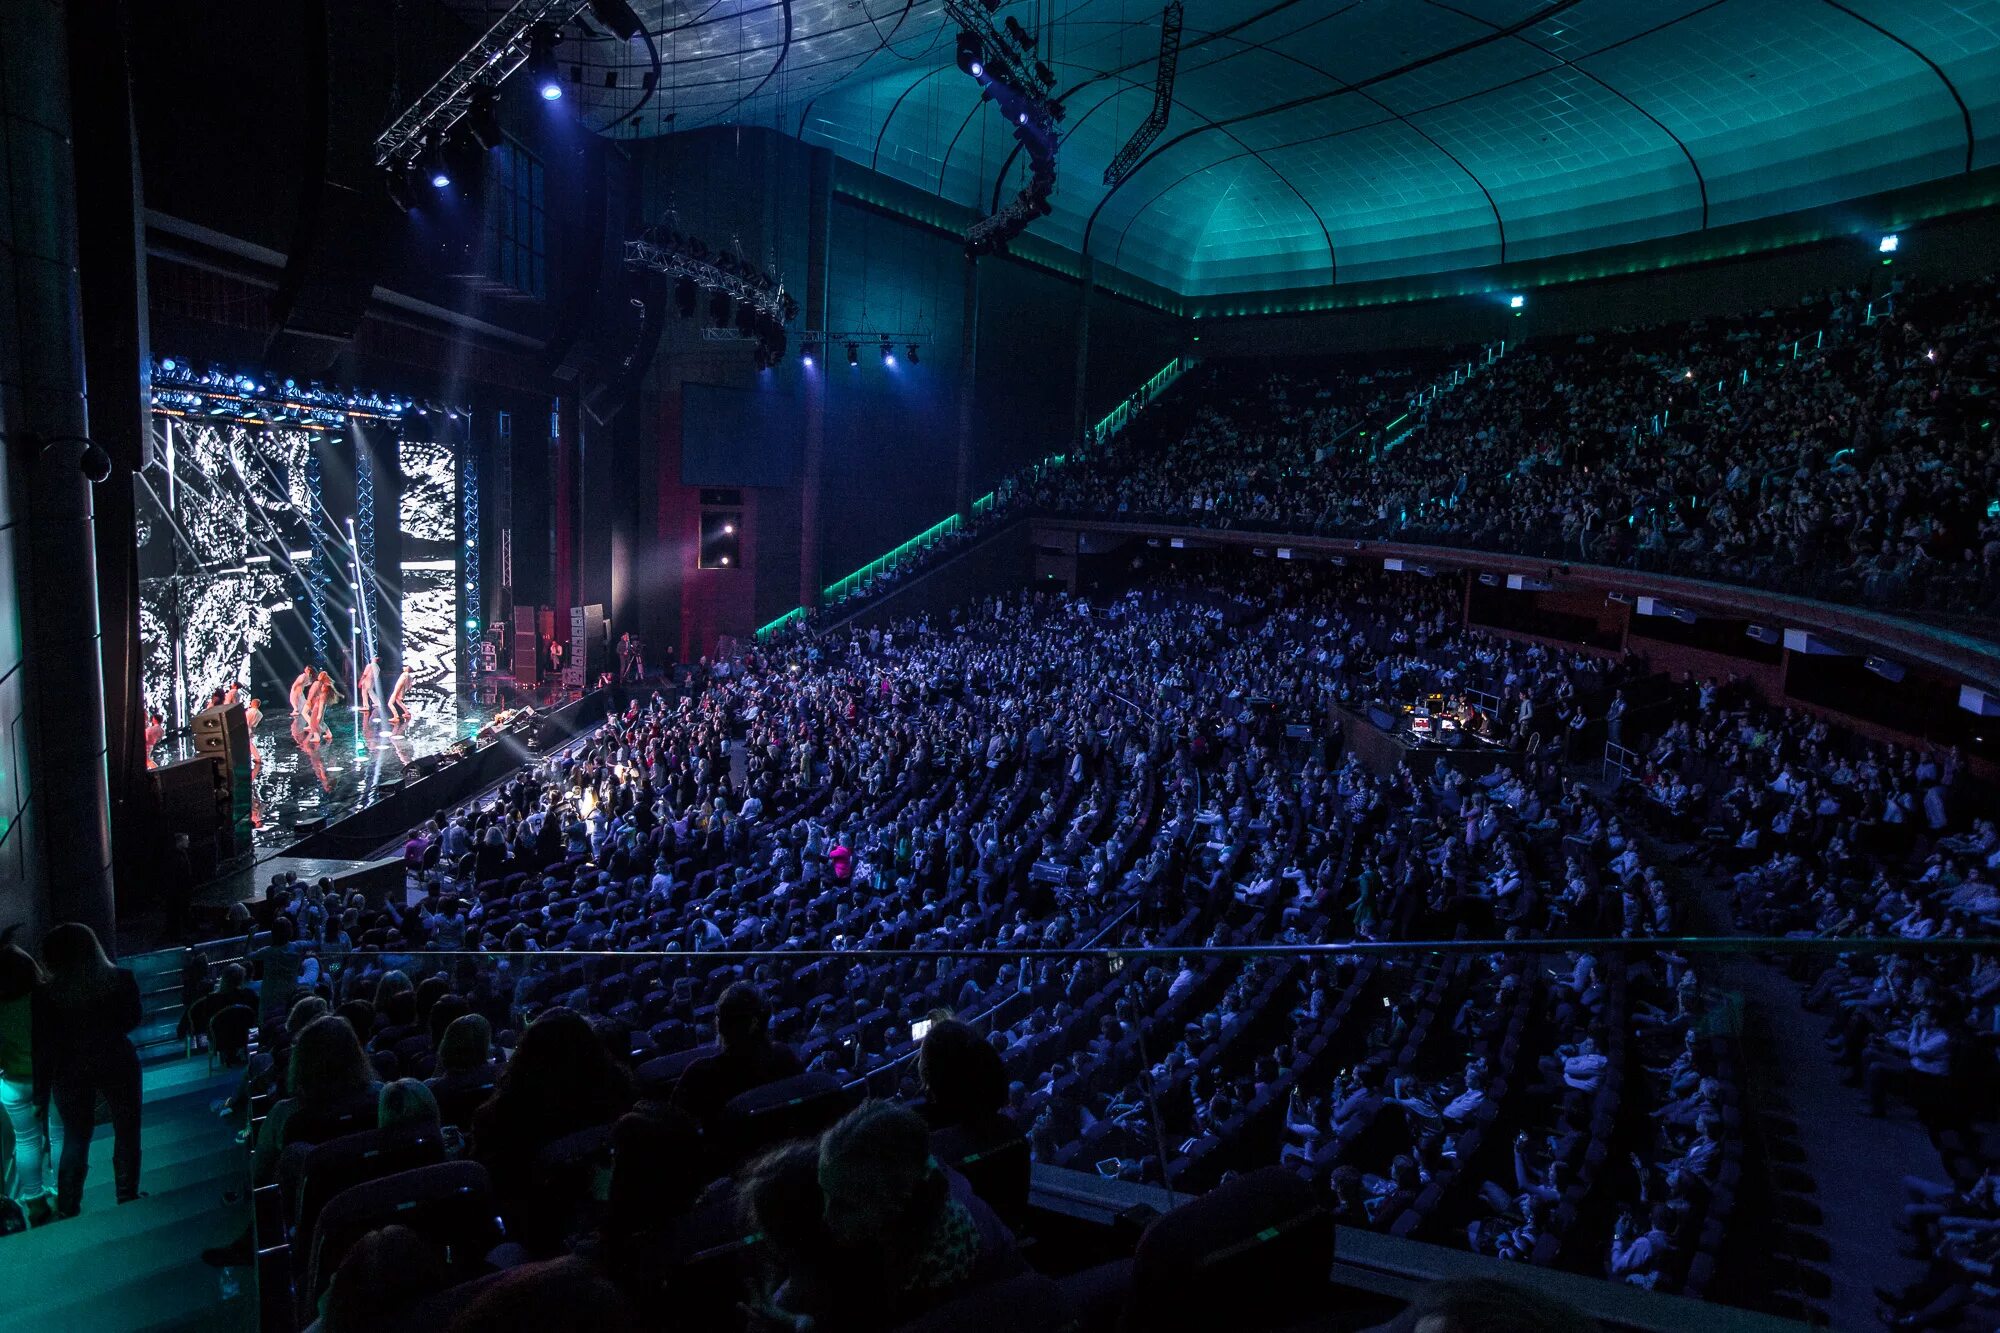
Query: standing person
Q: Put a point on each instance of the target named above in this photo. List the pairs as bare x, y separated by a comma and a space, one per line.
156, 731
399, 707
371, 689
321, 694
556, 657
23, 1169
82, 1019
300, 690
252, 715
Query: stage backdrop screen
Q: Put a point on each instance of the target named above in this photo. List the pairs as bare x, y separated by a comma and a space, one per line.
430, 571
739, 437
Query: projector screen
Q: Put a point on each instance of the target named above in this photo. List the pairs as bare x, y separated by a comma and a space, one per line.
739, 437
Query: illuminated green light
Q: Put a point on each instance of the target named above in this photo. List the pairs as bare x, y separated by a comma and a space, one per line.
796, 613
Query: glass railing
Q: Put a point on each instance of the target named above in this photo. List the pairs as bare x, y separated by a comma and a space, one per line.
1611, 1107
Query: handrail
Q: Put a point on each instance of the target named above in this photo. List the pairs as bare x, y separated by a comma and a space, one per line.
1709, 944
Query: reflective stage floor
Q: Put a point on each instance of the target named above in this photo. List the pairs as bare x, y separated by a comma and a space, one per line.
300, 779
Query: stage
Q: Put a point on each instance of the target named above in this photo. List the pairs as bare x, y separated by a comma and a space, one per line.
299, 781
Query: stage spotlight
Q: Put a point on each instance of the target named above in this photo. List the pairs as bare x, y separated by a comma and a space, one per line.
854, 354
969, 54
482, 120
617, 18
434, 167
912, 350
807, 360
888, 353
1516, 302
542, 63
1019, 33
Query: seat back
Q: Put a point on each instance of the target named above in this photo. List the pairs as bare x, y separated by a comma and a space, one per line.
1030, 1303
319, 1124
1261, 1233
449, 1203
791, 1108
995, 1160
353, 1159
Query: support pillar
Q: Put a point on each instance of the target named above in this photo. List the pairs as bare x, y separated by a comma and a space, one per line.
1079, 404
968, 387
56, 782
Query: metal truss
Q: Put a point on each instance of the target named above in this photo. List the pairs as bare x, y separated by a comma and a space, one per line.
503, 49
1163, 99
674, 262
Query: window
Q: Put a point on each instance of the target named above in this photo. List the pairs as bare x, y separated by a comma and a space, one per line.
515, 236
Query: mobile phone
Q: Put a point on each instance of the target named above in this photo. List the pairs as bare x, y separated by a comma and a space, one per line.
919, 1028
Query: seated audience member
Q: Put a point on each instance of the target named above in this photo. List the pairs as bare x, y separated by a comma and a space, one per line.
561, 1079
964, 1080
384, 1276
748, 1058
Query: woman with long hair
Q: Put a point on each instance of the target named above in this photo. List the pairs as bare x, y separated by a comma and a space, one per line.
23, 1165
328, 1071
82, 1021
561, 1079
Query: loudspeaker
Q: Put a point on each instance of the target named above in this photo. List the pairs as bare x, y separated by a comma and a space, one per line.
194, 795
221, 734
527, 647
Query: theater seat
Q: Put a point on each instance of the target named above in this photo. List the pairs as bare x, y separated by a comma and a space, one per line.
1030, 1303
791, 1108
449, 1203
1260, 1233
994, 1159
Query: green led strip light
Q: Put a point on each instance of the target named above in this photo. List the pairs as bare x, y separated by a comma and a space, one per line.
1113, 422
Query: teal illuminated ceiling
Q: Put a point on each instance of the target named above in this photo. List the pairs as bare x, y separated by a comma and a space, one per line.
1315, 142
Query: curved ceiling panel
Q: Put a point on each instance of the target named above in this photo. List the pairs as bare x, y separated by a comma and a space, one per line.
1807, 106
1323, 141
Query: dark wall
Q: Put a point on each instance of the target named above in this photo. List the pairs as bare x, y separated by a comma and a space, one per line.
889, 465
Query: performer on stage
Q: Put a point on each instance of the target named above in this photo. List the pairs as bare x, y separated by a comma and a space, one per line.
156, 731
252, 715
399, 709
317, 698
371, 688
300, 688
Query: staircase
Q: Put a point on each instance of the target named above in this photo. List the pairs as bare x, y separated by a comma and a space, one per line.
137, 1266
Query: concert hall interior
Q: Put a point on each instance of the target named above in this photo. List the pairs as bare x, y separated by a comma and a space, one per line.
1034, 666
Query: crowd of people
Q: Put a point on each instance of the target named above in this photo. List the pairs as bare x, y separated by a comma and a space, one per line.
1841, 447
1151, 774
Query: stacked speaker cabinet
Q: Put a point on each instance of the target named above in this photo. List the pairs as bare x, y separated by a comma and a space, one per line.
527, 647
222, 736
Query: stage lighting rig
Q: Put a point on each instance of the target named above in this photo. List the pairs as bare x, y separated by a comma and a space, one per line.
1003, 59
1163, 99
687, 260
527, 33
812, 341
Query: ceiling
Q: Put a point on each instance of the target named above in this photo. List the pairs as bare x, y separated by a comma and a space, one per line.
1338, 141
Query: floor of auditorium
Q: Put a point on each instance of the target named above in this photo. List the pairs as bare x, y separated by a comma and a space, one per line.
137, 1267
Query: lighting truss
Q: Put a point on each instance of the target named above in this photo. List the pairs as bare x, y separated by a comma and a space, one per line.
772, 302
503, 49
872, 339
1163, 98
1023, 87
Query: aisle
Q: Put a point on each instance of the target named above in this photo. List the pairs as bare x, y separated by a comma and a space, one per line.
138, 1266
1856, 1161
